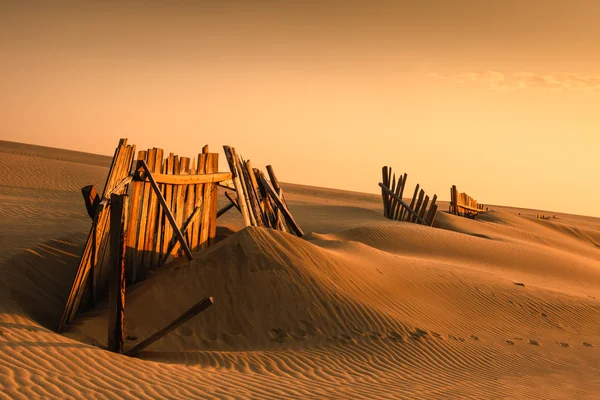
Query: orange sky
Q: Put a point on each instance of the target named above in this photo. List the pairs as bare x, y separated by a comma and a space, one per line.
501, 99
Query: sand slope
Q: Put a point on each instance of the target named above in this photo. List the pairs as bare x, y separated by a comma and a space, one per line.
361, 307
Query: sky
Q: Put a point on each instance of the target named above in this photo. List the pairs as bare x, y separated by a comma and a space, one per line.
501, 98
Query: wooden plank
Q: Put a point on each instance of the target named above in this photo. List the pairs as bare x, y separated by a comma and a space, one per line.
384, 195
195, 310
193, 179
418, 205
252, 195
116, 289
412, 203
179, 210
197, 224
240, 168
423, 209
406, 206
286, 213
238, 185
160, 220
168, 213
142, 233
392, 201
431, 213
133, 224
206, 205
213, 161
91, 199
400, 194
167, 237
190, 204
153, 212
279, 221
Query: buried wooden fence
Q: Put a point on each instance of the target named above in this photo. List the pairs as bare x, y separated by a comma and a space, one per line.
259, 200
172, 211
464, 205
394, 207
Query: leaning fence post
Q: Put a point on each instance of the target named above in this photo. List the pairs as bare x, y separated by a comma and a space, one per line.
116, 281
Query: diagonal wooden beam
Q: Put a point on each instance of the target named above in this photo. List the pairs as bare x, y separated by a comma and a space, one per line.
186, 316
186, 226
168, 212
284, 210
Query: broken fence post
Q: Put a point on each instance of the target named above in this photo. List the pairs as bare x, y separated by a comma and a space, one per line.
116, 283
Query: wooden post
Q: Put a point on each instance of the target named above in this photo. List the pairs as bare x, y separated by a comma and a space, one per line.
116, 283
196, 309
384, 195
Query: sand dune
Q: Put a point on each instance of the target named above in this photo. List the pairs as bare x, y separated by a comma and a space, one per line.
361, 307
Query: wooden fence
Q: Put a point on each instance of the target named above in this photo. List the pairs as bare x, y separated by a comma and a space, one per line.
261, 202
463, 204
394, 207
172, 211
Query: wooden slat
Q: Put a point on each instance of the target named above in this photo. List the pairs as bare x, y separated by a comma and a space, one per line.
91, 199
238, 185
116, 284
392, 202
168, 213
196, 309
142, 232
213, 162
417, 207
197, 224
190, 203
179, 211
412, 203
133, 224
431, 213
423, 209
153, 212
400, 194
167, 238
251, 194
384, 195
193, 179
286, 213
160, 219
239, 167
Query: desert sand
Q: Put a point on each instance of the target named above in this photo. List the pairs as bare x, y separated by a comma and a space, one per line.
505, 306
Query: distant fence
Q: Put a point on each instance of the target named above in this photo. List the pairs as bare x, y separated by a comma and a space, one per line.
172, 211
394, 207
463, 204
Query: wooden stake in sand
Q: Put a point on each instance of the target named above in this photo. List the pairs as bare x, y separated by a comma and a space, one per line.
116, 282
196, 309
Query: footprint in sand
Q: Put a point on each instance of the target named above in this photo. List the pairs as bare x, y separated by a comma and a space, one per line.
436, 335
563, 344
474, 337
418, 334
586, 344
509, 342
534, 342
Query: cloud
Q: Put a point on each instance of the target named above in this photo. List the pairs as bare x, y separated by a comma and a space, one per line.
561, 81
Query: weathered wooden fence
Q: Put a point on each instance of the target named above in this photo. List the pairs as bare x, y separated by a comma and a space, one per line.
464, 205
394, 207
260, 201
172, 211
